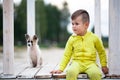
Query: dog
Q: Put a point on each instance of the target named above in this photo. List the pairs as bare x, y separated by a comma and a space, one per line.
34, 52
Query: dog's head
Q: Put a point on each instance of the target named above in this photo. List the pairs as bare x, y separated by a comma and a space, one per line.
31, 41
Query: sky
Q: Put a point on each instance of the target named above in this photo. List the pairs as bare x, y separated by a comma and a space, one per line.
88, 5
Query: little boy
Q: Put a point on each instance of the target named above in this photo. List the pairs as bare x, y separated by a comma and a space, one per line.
81, 49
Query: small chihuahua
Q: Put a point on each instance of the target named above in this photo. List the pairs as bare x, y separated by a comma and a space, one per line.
34, 51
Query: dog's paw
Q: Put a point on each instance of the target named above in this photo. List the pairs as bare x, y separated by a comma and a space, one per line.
38, 66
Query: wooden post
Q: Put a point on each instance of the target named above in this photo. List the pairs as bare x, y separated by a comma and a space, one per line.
97, 21
114, 37
31, 17
97, 18
8, 37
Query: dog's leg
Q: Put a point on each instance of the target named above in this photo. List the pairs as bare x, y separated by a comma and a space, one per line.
29, 59
39, 60
30, 62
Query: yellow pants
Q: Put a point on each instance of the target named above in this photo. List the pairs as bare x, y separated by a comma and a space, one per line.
75, 68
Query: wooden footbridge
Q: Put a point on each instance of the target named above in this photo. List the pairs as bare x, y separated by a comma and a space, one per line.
44, 71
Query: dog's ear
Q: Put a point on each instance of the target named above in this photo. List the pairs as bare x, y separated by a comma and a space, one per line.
35, 37
26, 36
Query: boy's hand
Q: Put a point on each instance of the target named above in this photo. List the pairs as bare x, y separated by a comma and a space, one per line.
105, 70
56, 72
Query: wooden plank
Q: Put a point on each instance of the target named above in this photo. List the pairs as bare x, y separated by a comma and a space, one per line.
59, 76
44, 73
7, 76
20, 67
63, 75
28, 73
83, 75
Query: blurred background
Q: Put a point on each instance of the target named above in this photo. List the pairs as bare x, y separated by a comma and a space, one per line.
52, 21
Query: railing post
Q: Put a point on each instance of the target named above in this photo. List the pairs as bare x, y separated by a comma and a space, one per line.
8, 37
98, 18
31, 17
114, 37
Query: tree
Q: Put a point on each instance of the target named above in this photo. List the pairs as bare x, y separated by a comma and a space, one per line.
64, 20
65, 15
53, 17
41, 20
20, 24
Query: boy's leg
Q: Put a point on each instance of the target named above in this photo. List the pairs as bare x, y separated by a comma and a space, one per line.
94, 72
73, 71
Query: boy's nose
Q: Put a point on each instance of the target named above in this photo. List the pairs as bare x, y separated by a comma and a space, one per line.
73, 26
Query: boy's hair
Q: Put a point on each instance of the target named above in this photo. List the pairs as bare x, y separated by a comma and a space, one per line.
83, 13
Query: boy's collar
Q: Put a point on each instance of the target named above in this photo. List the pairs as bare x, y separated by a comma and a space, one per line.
78, 35
74, 34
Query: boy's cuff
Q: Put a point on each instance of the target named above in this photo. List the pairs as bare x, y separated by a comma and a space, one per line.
104, 64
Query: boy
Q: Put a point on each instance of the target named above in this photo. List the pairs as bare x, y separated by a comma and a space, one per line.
81, 49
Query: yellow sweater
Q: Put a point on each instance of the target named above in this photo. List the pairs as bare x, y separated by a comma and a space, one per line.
83, 49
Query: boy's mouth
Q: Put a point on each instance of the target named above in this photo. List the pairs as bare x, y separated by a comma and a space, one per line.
74, 30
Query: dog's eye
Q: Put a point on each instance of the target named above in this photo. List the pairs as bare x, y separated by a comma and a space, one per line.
31, 41
28, 41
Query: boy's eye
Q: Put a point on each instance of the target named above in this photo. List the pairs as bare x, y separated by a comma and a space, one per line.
31, 41
72, 23
76, 24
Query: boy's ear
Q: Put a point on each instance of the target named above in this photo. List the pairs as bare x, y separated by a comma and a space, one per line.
35, 37
26, 36
86, 24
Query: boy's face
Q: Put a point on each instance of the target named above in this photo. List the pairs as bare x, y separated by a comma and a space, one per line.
79, 27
